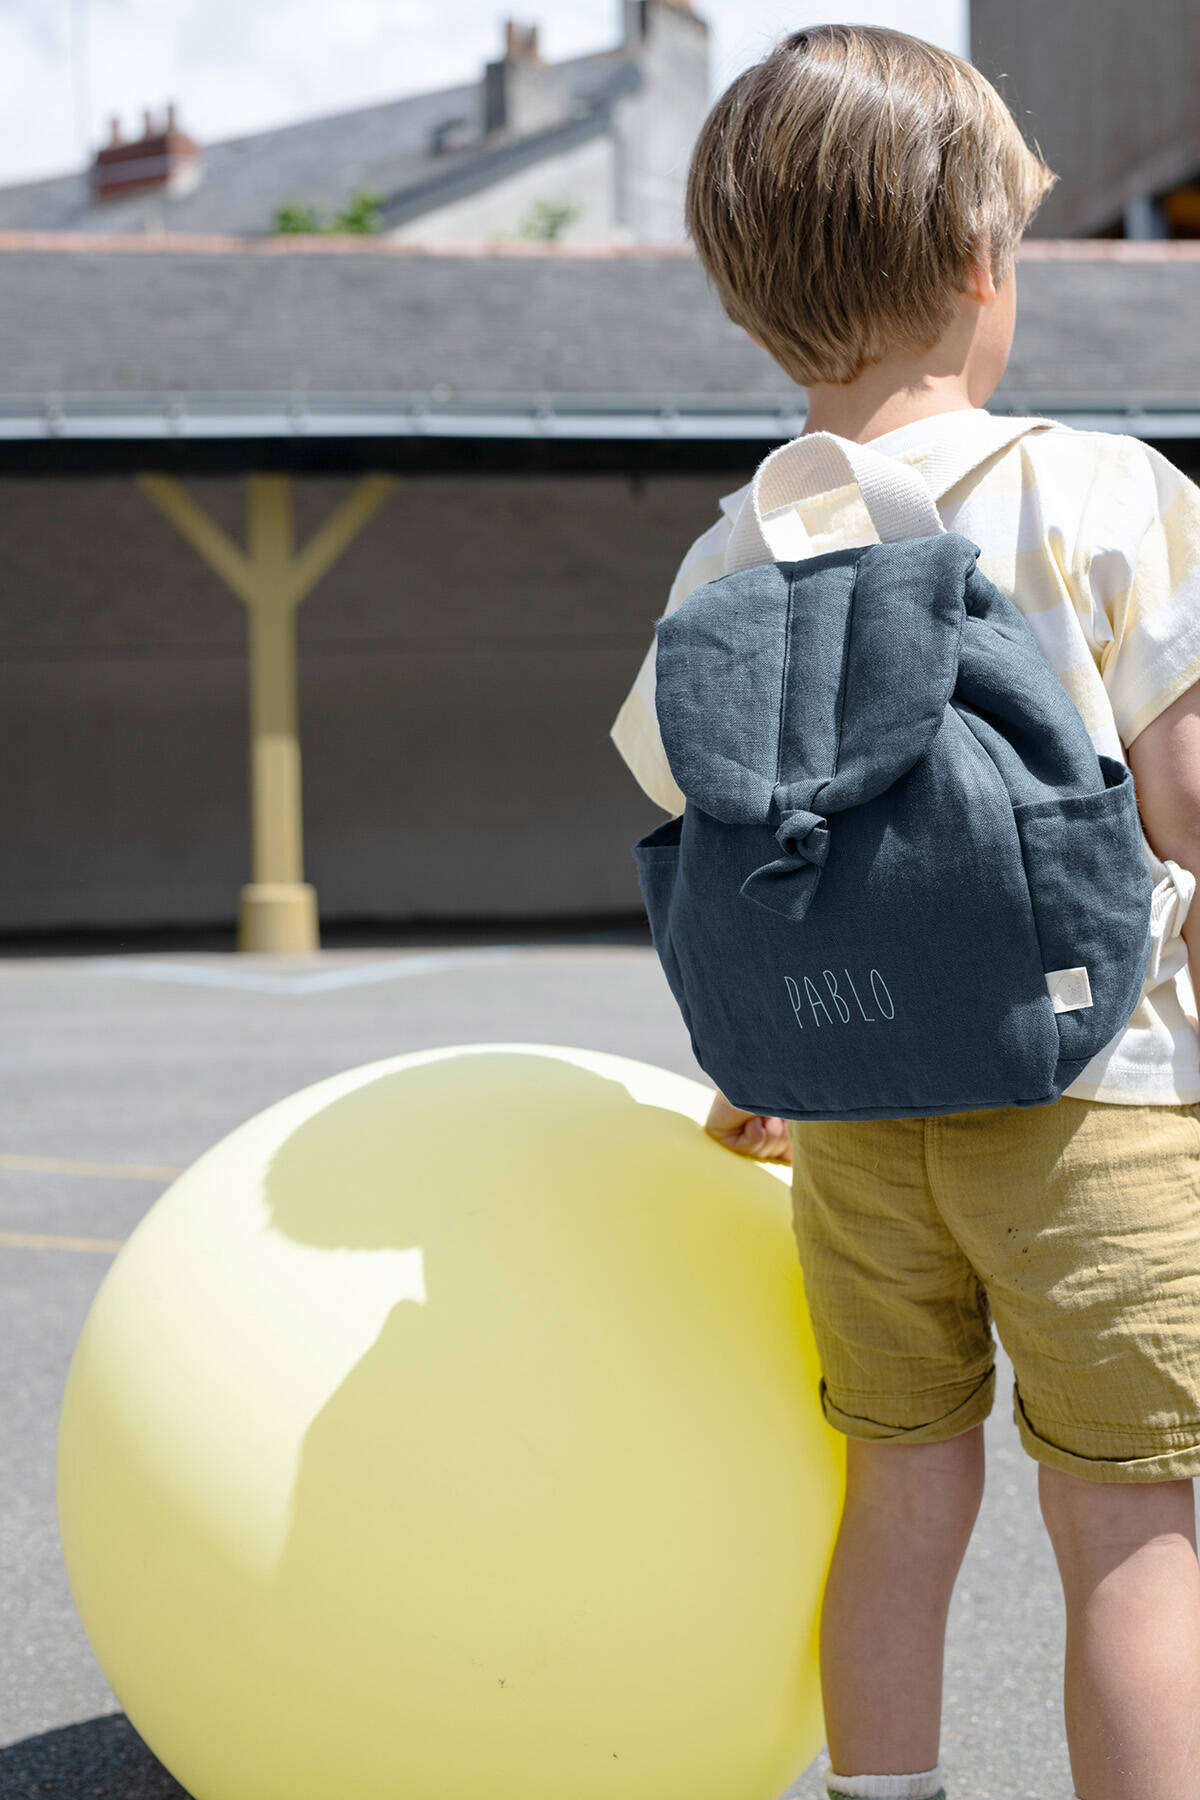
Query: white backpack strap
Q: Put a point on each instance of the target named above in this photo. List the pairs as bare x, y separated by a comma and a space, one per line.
901, 502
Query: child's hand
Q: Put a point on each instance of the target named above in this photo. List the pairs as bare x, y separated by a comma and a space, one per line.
748, 1134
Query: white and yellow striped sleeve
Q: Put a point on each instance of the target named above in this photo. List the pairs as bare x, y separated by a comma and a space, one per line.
634, 731
1144, 571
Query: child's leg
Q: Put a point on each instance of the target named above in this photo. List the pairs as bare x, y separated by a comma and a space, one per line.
907, 1519
1127, 1557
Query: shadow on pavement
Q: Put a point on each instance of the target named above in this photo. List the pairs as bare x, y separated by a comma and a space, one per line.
102, 1759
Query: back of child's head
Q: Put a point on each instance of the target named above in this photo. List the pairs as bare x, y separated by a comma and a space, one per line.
840, 189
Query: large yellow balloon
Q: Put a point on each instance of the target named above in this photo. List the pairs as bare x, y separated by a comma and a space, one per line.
450, 1429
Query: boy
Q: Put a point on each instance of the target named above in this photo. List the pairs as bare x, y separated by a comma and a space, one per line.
856, 199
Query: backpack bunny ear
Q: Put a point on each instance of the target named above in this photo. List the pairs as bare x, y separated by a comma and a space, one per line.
827, 676
719, 680
900, 665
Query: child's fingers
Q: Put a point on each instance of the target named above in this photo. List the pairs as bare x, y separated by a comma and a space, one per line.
776, 1144
765, 1139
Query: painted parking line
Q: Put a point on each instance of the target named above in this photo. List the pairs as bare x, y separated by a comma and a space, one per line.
261, 981
56, 1165
38, 1240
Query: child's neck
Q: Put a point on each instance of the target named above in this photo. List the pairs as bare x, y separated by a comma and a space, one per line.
878, 402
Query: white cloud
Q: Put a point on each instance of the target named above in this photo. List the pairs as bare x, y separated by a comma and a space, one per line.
240, 65
35, 102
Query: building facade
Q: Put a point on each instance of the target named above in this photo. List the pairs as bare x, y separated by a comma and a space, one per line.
591, 149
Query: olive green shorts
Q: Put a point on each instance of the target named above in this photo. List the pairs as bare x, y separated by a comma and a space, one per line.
1074, 1226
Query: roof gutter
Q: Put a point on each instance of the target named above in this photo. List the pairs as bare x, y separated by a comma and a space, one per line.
182, 416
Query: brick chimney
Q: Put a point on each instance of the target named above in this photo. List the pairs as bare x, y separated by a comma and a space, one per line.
521, 42
522, 93
164, 160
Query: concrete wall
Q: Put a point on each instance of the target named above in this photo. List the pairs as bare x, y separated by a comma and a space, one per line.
657, 127
631, 182
1108, 90
459, 671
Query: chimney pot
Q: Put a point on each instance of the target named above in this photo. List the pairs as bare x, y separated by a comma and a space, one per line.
520, 42
163, 160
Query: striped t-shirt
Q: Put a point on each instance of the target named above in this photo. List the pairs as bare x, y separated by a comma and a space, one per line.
1096, 537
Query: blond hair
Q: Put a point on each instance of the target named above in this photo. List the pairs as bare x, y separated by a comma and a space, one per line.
840, 189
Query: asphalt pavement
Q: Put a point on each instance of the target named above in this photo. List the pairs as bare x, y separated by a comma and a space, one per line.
120, 1066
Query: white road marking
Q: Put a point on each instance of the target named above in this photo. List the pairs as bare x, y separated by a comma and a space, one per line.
261, 981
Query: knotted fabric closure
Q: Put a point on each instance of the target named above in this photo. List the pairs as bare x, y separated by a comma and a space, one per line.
806, 835
788, 885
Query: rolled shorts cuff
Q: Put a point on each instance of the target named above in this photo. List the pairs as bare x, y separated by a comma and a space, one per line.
1178, 1463
968, 1405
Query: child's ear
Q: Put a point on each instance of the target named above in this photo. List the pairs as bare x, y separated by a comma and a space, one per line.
980, 284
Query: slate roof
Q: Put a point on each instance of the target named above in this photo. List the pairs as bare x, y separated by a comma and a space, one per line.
312, 323
384, 147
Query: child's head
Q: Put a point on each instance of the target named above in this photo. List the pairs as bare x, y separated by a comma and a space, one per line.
841, 189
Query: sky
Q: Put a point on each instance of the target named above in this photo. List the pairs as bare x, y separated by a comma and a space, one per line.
234, 66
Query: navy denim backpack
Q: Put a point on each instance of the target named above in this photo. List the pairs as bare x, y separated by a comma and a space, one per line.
904, 882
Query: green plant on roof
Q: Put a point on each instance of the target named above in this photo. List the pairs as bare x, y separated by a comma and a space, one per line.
294, 215
546, 218
358, 214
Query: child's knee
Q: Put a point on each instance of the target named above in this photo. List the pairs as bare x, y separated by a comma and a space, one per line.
1105, 1521
926, 1485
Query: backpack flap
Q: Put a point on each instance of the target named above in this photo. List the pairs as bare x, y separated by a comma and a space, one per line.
788, 691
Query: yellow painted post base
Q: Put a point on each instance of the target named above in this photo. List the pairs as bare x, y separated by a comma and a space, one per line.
279, 916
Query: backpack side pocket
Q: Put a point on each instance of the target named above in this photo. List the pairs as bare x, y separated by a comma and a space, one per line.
1090, 890
657, 859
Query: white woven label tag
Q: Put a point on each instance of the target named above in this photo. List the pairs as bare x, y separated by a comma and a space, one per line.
1070, 989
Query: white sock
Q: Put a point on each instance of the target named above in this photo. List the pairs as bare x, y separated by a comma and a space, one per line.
886, 1787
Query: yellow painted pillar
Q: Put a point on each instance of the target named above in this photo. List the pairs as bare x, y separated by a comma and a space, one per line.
278, 908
